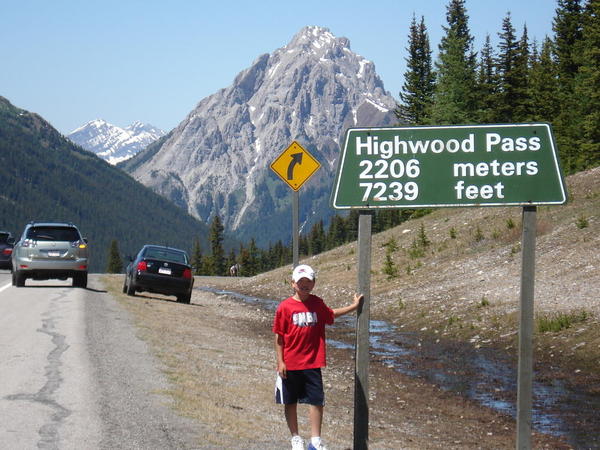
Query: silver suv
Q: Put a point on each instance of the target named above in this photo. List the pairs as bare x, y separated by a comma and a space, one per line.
50, 251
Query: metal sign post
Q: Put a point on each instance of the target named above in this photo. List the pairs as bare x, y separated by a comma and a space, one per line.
295, 166
361, 378
525, 370
295, 228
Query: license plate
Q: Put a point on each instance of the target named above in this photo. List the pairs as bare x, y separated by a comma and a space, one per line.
164, 270
53, 254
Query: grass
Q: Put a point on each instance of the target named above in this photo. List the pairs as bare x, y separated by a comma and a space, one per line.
582, 222
416, 250
479, 234
560, 321
452, 233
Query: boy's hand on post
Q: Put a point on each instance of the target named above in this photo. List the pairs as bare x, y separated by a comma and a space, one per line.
358, 298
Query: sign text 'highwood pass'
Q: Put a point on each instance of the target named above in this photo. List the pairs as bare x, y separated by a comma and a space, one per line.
484, 165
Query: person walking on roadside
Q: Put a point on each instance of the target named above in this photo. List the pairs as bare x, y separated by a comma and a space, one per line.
299, 327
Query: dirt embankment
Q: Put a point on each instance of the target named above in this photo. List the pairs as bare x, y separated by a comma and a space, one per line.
455, 275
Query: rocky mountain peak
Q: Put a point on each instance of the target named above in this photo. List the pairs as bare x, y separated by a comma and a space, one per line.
217, 160
317, 41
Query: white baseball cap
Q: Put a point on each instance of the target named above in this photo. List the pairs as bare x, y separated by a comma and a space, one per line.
303, 271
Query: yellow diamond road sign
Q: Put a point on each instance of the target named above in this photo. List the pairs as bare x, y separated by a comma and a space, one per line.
295, 165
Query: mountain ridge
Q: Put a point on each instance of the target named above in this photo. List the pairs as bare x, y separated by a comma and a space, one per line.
112, 143
216, 161
44, 176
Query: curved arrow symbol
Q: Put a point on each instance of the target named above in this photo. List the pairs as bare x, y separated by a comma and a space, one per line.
296, 159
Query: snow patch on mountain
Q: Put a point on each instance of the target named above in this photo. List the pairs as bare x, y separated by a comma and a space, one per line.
112, 143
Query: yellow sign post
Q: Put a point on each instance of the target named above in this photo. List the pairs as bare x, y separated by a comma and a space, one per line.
295, 165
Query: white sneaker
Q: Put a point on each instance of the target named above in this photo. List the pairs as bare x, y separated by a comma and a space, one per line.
321, 446
297, 443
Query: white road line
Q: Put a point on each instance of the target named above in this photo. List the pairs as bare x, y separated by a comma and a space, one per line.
5, 286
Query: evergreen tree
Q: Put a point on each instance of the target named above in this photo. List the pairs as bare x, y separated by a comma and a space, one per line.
389, 218
389, 266
115, 264
264, 259
587, 87
507, 74
419, 81
543, 85
523, 107
487, 84
282, 255
352, 225
197, 260
316, 240
337, 232
251, 266
303, 245
244, 260
567, 26
376, 225
455, 99
568, 33
217, 257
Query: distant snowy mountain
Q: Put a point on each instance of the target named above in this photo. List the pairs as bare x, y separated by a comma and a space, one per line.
112, 143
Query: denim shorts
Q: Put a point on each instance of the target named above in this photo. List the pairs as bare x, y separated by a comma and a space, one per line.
300, 386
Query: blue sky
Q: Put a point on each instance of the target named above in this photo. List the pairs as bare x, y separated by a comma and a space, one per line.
153, 61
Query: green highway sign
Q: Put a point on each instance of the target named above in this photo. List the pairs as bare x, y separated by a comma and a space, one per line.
438, 166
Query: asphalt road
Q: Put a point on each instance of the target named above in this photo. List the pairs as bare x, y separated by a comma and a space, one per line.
73, 374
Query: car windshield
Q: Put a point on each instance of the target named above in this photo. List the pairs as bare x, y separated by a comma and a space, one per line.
165, 254
4, 237
69, 234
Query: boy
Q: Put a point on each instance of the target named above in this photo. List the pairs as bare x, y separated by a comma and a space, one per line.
299, 328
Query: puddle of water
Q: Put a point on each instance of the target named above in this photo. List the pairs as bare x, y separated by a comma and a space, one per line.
482, 375
340, 344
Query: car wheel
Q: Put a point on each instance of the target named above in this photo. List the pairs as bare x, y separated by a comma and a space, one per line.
80, 280
125, 285
130, 286
185, 298
19, 279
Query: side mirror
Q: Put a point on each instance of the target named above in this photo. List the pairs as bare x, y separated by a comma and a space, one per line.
10, 241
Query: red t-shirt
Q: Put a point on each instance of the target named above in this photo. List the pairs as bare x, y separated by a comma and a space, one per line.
302, 326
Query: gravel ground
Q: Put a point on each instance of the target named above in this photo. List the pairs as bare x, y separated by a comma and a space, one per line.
218, 354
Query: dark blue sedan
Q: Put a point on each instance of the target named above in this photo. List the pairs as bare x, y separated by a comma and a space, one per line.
161, 270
